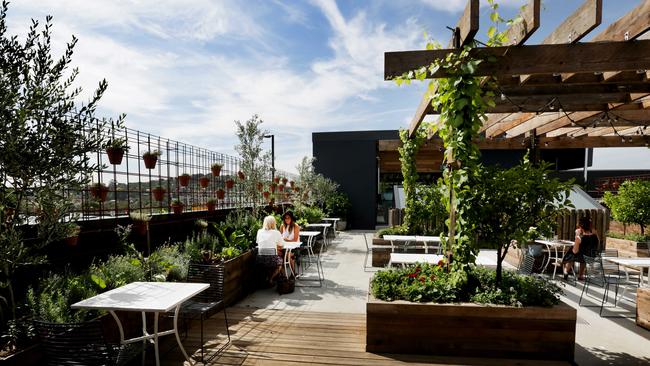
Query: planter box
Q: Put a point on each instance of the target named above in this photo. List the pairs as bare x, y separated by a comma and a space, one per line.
471, 330
628, 248
240, 277
643, 307
380, 256
32, 355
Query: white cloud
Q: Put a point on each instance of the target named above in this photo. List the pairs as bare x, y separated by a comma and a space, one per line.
453, 6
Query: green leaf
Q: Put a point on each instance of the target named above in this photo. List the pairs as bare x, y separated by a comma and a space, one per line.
492, 31
98, 281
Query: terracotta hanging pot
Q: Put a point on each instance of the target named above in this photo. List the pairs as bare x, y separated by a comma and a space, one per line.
281, 188
266, 194
216, 169
72, 240
260, 186
99, 192
292, 184
204, 182
272, 187
221, 194
211, 204
177, 208
150, 160
115, 155
241, 175
184, 180
284, 181
230, 183
276, 180
159, 193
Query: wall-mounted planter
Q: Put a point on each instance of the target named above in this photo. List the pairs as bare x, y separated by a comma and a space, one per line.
115, 155
204, 182
158, 193
184, 180
221, 194
150, 160
230, 183
216, 170
177, 208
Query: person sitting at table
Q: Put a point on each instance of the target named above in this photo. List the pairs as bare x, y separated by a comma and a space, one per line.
269, 237
290, 231
586, 243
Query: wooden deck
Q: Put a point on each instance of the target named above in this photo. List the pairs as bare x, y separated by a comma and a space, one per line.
282, 337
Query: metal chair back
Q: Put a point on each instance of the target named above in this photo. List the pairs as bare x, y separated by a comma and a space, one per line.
208, 273
527, 264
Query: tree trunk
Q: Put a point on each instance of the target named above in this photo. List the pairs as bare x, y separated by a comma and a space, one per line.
497, 281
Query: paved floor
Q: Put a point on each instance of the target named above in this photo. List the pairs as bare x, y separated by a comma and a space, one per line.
599, 341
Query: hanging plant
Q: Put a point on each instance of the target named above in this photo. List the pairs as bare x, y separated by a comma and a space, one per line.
221, 194
115, 150
281, 187
266, 194
99, 191
276, 180
204, 182
241, 175
216, 169
177, 207
184, 180
284, 181
292, 184
260, 186
150, 158
272, 187
211, 204
230, 183
158, 193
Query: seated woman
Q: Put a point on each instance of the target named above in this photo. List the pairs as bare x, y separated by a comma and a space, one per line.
268, 237
290, 231
586, 243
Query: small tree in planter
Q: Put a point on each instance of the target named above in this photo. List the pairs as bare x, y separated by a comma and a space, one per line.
115, 149
99, 191
177, 207
159, 193
211, 204
204, 182
337, 205
221, 194
631, 205
216, 169
254, 161
150, 158
184, 180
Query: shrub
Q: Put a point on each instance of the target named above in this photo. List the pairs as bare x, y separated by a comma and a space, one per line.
631, 205
117, 271
195, 245
311, 214
52, 299
337, 205
431, 283
395, 230
170, 262
244, 222
632, 237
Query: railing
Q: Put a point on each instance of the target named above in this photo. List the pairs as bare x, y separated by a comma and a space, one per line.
132, 186
611, 184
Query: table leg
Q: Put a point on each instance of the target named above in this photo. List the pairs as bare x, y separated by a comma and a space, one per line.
119, 325
178, 337
155, 337
144, 333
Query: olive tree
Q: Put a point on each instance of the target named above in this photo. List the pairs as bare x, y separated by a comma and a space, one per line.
631, 205
254, 162
46, 136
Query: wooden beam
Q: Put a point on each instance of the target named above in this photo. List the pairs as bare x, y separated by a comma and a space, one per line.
538, 59
468, 24
425, 103
563, 131
591, 141
531, 124
519, 33
627, 28
577, 25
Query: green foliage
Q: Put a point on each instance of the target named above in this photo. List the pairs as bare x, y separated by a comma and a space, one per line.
254, 163
116, 271
245, 222
407, 154
432, 283
230, 252
338, 205
235, 239
171, 262
428, 213
395, 230
52, 299
631, 205
312, 214
201, 243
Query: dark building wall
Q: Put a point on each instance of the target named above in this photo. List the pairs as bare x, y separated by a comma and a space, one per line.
350, 159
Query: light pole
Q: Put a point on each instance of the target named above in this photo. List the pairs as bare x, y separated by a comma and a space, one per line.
272, 155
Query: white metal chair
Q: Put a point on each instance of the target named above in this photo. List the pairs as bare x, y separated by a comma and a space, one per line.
369, 248
605, 274
313, 257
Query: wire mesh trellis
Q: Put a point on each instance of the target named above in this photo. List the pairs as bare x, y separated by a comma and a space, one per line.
177, 173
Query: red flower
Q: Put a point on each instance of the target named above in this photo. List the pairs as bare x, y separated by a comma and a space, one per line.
413, 275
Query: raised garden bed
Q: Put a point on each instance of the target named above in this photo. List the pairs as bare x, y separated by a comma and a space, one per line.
240, 277
643, 307
471, 330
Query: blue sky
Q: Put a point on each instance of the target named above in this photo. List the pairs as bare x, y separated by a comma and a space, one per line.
188, 69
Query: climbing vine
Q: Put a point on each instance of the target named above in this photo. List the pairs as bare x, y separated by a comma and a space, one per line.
461, 99
407, 152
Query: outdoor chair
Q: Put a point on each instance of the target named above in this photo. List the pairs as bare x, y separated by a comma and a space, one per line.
81, 344
604, 274
208, 302
310, 259
527, 264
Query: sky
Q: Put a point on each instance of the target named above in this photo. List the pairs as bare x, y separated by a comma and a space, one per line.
188, 69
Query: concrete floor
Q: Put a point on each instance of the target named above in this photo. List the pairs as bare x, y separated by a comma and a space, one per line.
599, 340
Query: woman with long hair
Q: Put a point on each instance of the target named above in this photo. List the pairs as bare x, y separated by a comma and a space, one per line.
586, 243
289, 229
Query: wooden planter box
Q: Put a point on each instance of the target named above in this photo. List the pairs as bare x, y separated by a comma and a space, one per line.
628, 248
32, 355
380, 256
643, 307
471, 330
240, 277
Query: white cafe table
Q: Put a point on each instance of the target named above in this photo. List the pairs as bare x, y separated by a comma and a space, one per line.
324, 227
637, 263
334, 220
411, 258
146, 297
288, 247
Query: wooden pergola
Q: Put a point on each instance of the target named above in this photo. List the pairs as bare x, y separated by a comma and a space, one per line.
560, 94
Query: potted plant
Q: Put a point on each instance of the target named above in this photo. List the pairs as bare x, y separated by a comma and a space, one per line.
216, 169
150, 158
292, 184
281, 187
221, 194
140, 222
284, 181
260, 186
272, 187
241, 175
266, 194
296, 189
177, 207
276, 180
204, 182
72, 231
99, 191
230, 183
211, 204
115, 150
184, 180
159, 193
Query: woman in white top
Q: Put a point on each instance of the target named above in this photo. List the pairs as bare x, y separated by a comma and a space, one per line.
268, 237
289, 229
